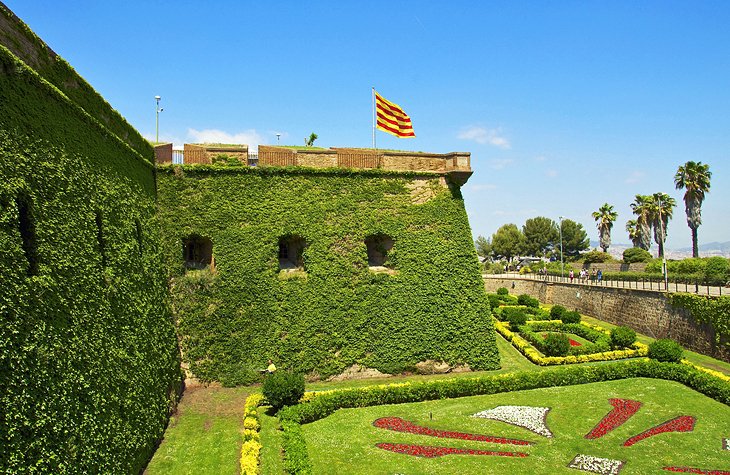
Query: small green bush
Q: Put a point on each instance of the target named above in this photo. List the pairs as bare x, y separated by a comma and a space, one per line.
596, 256
494, 301
622, 337
282, 388
502, 291
528, 301
570, 317
556, 344
516, 320
556, 313
636, 254
666, 350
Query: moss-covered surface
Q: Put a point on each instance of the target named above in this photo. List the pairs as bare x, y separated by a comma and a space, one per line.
432, 306
88, 353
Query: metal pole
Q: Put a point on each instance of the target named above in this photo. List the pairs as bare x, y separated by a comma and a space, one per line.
374, 119
157, 119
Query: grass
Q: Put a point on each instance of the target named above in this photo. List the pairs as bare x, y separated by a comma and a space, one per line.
345, 441
204, 436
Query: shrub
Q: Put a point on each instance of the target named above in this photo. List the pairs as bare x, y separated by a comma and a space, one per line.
622, 337
556, 344
494, 301
596, 256
502, 291
636, 254
517, 319
283, 389
717, 270
556, 313
570, 317
528, 301
666, 350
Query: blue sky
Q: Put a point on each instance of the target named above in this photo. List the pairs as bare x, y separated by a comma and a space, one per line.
563, 105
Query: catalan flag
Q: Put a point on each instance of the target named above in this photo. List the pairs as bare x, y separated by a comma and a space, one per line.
392, 119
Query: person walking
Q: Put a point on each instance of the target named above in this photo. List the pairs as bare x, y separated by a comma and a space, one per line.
571, 275
599, 275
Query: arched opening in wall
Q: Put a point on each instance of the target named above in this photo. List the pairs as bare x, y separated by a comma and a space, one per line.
291, 253
26, 226
198, 252
379, 246
101, 241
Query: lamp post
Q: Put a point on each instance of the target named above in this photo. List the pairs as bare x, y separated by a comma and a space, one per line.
158, 109
560, 229
660, 204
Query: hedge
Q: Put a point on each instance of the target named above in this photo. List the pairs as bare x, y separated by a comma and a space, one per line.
323, 404
712, 310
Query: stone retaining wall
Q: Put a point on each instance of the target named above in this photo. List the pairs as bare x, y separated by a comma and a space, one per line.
647, 312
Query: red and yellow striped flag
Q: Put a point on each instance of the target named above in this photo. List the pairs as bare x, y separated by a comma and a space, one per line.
392, 119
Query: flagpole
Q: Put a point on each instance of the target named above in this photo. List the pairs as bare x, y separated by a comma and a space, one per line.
374, 147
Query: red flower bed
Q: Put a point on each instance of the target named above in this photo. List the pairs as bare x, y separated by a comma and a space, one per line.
431, 452
696, 470
400, 425
623, 409
679, 424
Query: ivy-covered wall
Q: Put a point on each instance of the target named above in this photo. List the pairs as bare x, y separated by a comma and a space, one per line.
338, 312
89, 362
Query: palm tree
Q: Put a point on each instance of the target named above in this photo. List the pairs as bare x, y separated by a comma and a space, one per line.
660, 212
641, 207
605, 216
695, 178
632, 227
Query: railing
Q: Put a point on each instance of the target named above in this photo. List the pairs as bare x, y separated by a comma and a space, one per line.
199, 156
658, 285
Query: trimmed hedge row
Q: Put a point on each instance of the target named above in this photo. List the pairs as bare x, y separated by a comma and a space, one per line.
524, 346
323, 404
600, 340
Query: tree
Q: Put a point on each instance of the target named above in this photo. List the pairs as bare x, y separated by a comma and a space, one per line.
605, 216
695, 178
575, 238
507, 242
660, 212
632, 227
484, 247
310, 141
541, 236
641, 207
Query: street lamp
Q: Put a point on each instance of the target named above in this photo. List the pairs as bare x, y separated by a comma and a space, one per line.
158, 109
560, 229
277, 137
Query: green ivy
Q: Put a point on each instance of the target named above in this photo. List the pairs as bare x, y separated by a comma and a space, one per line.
340, 313
704, 309
89, 364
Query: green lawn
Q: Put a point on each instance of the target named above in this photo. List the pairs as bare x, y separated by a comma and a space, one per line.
205, 435
345, 441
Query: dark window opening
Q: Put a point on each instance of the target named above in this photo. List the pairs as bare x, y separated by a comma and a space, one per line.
26, 227
378, 245
138, 229
197, 252
291, 252
101, 241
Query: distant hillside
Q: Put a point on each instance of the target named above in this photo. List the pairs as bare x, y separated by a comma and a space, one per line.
706, 250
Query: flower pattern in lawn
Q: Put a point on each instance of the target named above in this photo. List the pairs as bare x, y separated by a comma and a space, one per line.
603, 466
700, 471
678, 424
623, 409
431, 452
529, 417
401, 425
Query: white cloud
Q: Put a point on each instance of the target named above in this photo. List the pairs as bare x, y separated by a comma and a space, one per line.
634, 177
500, 163
484, 136
541, 158
551, 173
249, 137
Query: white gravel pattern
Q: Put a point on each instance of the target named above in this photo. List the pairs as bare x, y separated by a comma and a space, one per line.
588, 463
530, 417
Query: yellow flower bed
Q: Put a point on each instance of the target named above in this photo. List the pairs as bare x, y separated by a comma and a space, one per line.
714, 373
251, 439
638, 349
